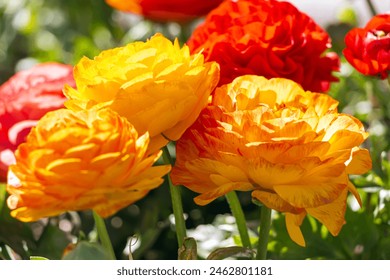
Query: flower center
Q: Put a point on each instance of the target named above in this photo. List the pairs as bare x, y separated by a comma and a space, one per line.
379, 33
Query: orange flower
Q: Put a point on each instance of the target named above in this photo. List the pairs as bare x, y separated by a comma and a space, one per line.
85, 160
167, 10
266, 38
368, 48
158, 86
290, 148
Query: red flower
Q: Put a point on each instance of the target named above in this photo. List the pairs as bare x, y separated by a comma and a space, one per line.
368, 48
266, 38
24, 99
167, 10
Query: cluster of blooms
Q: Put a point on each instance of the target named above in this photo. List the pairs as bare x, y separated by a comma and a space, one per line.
99, 151
236, 100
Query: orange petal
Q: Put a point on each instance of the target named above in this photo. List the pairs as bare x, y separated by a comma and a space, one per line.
207, 197
310, 195
267, 174
293, 223
345, 139
360, 163
298, 152
273, 201
355, 193
340, 123
67, 165
324, 103
332, 214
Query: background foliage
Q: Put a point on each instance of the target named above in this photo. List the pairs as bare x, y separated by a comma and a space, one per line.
64, 31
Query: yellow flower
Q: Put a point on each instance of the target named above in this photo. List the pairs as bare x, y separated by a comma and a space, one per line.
291, 148
81, 160
158, 86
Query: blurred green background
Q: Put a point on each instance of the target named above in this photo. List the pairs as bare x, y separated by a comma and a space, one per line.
64, 31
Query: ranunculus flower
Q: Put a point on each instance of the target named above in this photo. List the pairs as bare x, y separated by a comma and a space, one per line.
158, 86
24, 99
81, 160
167, 10
368, 48
289, 147
266, 38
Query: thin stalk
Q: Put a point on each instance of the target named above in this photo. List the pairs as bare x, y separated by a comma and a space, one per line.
238, 214
4, 253
265, 226
185, 32
103, 235
372, 8
177, 204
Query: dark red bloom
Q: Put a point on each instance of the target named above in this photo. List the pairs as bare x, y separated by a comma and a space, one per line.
167, 10
368, 48
24, 99
266, 38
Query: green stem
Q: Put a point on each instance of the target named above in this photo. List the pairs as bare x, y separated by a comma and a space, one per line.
238, 214
4, 253
372, 8
185, 32
177, 204
103, 235
265, 225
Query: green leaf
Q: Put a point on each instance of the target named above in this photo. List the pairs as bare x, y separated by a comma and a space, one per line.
52, 243
14, 233
223, 253
87, 251
188, 251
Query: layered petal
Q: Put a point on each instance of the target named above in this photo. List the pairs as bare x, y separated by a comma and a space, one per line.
157, 85
267, 38
72, 161
290, 147
368, 49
